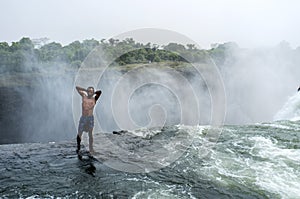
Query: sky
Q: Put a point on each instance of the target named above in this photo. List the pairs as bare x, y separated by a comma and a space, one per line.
249, 23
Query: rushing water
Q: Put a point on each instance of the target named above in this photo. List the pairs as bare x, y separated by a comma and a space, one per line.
239, 161
249, 161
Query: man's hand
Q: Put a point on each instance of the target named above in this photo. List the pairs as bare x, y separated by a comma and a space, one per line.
81, 91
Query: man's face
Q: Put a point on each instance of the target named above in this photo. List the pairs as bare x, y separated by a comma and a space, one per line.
90, 92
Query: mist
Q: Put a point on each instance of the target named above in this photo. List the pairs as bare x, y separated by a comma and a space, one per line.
46, 111
259, 81
38, 106
150, 96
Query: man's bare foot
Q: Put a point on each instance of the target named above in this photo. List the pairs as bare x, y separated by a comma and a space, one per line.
92, 152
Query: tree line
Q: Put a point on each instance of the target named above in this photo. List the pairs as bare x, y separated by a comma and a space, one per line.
26, 52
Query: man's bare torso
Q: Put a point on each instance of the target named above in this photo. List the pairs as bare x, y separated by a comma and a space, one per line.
88, 105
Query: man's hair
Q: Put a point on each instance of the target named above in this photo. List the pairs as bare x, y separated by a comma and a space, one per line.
90, 87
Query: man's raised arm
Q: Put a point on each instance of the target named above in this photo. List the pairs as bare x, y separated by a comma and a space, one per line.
81, 91
98, 93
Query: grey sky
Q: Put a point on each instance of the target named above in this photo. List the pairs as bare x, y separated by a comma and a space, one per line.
250, 23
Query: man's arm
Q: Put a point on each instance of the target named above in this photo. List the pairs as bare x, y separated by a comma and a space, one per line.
81, 91
98, 93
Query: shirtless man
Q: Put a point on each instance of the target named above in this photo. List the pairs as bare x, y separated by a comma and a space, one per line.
86, 122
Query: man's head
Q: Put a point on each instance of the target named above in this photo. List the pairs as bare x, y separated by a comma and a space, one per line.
90, 91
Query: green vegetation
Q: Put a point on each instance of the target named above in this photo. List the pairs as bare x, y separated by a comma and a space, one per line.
17, 56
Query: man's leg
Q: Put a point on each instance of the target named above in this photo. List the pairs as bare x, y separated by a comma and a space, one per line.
91, 141
79, 136
80, 132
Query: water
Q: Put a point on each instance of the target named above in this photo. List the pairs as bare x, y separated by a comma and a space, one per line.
246, 161
249, 161
291, 109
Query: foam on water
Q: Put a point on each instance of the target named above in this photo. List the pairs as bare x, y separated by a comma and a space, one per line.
254, 161
276, 125
290, 110
279, 173
249, 161
266, 148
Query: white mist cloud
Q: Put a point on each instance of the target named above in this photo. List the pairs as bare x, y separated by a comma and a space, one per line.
151, 96
258, 82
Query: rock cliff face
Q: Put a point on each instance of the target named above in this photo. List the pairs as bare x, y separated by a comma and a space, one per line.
10, 119
36, 113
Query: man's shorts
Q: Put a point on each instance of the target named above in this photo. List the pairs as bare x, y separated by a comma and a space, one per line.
86, 123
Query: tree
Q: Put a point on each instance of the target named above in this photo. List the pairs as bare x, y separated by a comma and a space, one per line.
191, 47
51, 52
4, 46
175, 47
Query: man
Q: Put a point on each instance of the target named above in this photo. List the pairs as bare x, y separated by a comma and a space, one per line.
86, 122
